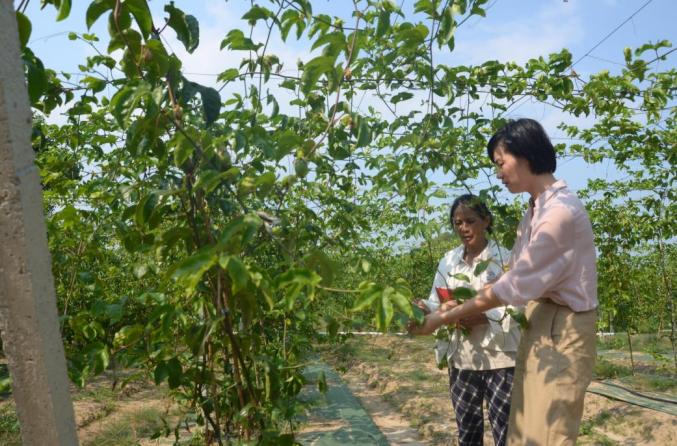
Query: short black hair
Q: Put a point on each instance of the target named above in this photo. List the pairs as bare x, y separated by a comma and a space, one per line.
474, 203
526, 138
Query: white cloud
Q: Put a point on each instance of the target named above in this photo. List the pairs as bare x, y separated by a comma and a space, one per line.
208, 59
549, 30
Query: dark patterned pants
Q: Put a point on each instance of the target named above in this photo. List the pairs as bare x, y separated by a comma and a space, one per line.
468, 389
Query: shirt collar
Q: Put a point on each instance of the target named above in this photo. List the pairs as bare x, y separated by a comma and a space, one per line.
486, 253
547, 194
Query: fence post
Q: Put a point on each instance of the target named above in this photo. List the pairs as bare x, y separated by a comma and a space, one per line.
28, 315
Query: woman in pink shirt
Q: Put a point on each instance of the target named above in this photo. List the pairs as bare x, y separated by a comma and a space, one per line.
552, 271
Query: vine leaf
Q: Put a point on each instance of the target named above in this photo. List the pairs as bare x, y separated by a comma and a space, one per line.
462, 277
211, 104
481, 267
185, 25
447, 27
64, 10
25, 28
519, 317
96, 9
463, 293
141, 13
35, 74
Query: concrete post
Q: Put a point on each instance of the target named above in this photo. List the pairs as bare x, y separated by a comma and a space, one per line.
28, 315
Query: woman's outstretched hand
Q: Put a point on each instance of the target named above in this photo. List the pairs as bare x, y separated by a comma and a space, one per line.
431, 323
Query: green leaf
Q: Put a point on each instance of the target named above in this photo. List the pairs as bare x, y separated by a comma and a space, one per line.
402, 302
257, 13
190, 270
98, 357
96, 9
211, 99
114, 312
174, 372
25, 27
193, 31
477, 10
519, 317
237, 271
35, 75
228, 75
439, 193
447, 27
142, 15
69, 215
161, 372
322, 264
186, 27
211, 179
231, 229
419, 315
384, 311
289, 84
462, 293
211, 104
235, 40
293, 282
383, 23
286, 142
462, 277
128, 335
314, 69
402, 96
183, 150
481, 267
64, 10
94, 83
144, 209
370, 292
332, 326
363, 133
335, 42
301, 168
5, 384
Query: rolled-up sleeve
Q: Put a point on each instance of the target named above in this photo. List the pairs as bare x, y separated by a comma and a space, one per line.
543, 262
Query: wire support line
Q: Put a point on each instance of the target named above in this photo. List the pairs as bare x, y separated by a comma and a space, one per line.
611, 33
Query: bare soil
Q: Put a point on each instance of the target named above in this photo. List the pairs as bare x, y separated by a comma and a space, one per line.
401, 373
398, 384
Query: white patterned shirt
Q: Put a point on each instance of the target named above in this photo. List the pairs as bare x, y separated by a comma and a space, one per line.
487, 346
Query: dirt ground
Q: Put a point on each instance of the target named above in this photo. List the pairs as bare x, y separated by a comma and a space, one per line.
401, 373
395, 379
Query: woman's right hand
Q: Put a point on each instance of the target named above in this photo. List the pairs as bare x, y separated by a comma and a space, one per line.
446, 306
431, 323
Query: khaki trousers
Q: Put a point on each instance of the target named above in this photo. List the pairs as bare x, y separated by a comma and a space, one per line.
553, 368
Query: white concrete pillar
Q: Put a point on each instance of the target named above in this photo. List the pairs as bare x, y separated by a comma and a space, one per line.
28, 315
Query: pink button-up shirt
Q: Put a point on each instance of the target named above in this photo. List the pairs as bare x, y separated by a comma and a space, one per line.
554, 254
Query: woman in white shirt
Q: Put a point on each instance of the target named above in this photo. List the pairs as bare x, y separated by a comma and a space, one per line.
481, 360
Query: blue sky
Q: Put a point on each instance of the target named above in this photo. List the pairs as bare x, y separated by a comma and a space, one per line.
513, 30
